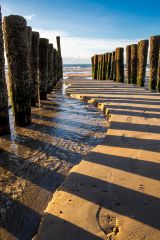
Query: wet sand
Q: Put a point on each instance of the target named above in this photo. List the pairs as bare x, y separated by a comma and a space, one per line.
35, 160
113, 193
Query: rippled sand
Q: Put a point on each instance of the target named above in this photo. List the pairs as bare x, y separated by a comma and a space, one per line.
35, 160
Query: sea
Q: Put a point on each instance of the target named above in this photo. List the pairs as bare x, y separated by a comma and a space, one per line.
76, 68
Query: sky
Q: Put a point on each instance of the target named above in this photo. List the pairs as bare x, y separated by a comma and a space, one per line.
88, 27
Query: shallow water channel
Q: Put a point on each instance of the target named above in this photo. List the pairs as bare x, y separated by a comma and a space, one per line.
34, 160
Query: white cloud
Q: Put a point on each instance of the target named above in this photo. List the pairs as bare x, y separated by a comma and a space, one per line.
80, 50
29, 17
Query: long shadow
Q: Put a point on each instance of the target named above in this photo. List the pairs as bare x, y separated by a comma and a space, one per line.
63, 133
69, 122
18, 229
134, 108
62, 229
135, 127
119, 199
115, 93
132, 165
128, 101
21, 221
31, 171
136, 114
132, 142
50, 150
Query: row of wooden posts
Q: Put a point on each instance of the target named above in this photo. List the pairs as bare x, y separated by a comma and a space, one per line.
110, 66
34, 68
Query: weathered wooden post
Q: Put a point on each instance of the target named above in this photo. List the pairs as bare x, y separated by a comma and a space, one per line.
29, 33
134, 63
128, 63
98, 70
106, 65
35, 68
16, 40
119, 58
43, 67
4, 117
100, 67
95, 66
142, 61
154, 54
50, 68
112, 65
60, 57
103, 67
55, 66
158, 75
109, 65
92, 61
114, 69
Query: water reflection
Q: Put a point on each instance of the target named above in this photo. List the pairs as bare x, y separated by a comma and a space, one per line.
35, 160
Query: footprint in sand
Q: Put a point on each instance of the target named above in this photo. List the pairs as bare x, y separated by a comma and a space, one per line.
141, 187
108, 224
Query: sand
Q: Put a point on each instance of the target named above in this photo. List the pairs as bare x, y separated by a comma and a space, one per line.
113, 193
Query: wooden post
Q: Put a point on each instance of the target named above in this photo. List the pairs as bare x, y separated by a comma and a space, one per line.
35, 69
29, 33
92, 61
112, 65
50, 68
43, 67
103, 67
109, 65
154, 54
134, 63
4, 117
60, 57
128, 63
53, 69
119, 58
106, 67
55, 66
158, 77
101, 76
16, 40
142, 61
95, 66
114, 72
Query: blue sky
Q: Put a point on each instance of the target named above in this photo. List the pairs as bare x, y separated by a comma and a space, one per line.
89, 27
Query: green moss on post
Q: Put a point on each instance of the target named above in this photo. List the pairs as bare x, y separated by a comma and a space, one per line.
4, 117
154, 54
35, 68
16, 39
134, 63
119, 58
43, 67
50, 68
112, 65
128, 63
142, 61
